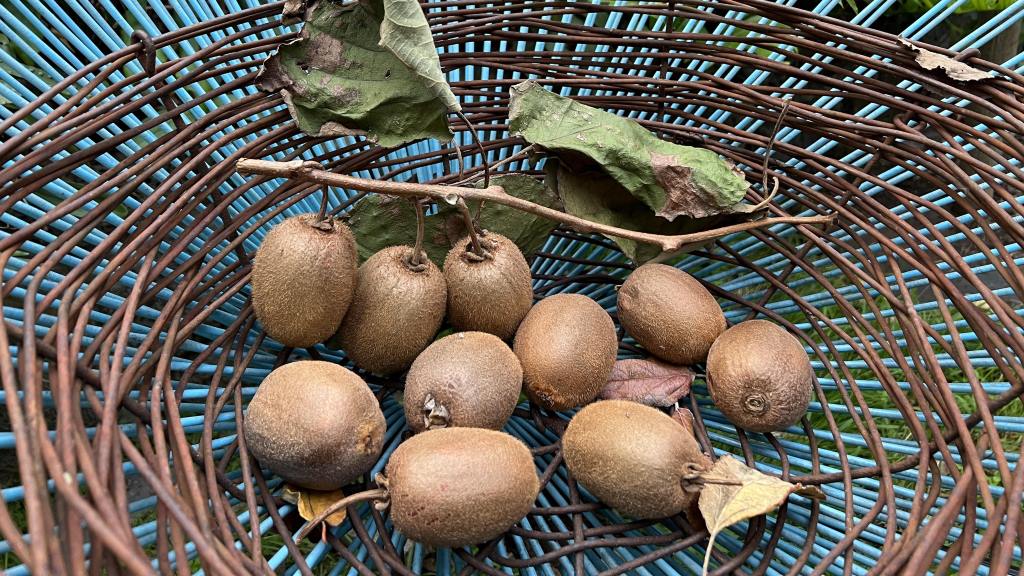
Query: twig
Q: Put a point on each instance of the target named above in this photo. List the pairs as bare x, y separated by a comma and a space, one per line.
374, 494
313, 172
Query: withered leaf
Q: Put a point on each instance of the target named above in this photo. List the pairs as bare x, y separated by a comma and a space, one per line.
337, 79
648, 381
671, 179
745, 493
590, 193
954, 69
312, 502
684, 417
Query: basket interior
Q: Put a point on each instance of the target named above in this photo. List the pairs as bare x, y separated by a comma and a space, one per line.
127, 236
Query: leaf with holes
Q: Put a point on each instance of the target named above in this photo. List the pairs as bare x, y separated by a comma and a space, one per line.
337, 79
648, 381
591, 194
379, 221
733, 492
672, 180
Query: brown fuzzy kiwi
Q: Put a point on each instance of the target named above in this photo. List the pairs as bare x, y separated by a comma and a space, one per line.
670, 313
468, 379
315, 424
492, 294
631, 457
760, 376
303, 278
396, 311
567, 346
459, 486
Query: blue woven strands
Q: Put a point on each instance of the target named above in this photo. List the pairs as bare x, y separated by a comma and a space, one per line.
126, 234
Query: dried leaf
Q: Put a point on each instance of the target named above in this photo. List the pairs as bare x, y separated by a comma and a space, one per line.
379, 221
954, 69
684, 417
810, 492
648, 381
406, 34
312, 502
670, 179
591, 194
337, 80
723, 505
293, 8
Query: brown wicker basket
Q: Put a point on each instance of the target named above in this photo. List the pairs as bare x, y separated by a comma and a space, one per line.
133, 349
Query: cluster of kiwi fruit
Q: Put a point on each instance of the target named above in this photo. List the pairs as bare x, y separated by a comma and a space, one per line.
459, 480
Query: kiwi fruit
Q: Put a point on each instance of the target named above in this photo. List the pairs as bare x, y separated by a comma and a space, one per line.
454, 487
396, 311
760, 376
491, 293
303, 278
315, 424
631, 457
567, 346
670, 313
469, 379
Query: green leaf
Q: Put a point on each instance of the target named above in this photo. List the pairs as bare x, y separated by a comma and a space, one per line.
749, 493
593, 195
670, 179
379, 221
337, 80
406, 33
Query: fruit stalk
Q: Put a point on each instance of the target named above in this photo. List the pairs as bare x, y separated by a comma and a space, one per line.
314, 172
374, 494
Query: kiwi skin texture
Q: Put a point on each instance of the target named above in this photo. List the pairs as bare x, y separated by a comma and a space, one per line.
303, 279
670, 313
492, 295
631, 457
315, 424
474, 375
394, 314
567, 346
454, 487
760, 376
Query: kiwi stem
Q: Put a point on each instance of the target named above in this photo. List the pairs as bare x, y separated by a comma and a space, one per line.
374, 494
417, 249
312, 172
477, 249
323, 205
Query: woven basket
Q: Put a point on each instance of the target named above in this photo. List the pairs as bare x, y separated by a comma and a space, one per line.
127, 237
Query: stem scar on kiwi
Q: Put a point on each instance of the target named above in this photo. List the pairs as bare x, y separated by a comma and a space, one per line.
469, 379
632, 457
315, 424
398, 307
303, 279
759, 376
452, 487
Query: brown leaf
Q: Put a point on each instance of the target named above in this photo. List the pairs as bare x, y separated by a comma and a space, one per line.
733, 493
954, 69
684, 417
312, 502
648, 381
810, 492
293, 8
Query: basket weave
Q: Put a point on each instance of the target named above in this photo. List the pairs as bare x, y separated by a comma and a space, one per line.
127, 238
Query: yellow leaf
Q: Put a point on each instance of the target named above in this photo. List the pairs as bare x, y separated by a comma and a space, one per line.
734, 492
313, 502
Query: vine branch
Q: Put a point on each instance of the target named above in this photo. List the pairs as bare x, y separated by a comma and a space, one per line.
313, 172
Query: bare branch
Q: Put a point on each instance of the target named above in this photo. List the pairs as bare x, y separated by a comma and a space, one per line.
313, 172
